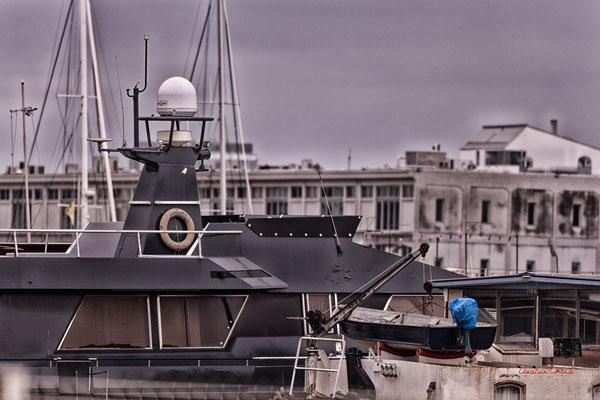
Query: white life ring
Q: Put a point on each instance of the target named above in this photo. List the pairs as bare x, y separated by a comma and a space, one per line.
189, 224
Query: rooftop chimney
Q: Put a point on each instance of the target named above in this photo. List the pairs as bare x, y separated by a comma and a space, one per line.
554, 124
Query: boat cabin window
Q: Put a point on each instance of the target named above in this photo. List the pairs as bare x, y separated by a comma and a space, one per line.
198, 321
517, 310
509, 391
109, 322
326, 303
416, 305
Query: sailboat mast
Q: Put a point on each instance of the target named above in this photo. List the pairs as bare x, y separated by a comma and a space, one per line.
236, 110
223, 139
26, 166
84, 112
100, 107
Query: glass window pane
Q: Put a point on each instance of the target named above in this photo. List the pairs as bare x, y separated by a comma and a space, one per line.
110, 322
590, 315
518, 316
508, 392
198, 321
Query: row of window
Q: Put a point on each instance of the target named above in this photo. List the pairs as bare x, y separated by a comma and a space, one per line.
531, 213
55, 194
123, 322
310, 192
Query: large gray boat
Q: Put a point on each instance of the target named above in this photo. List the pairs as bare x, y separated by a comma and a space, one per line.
172, 300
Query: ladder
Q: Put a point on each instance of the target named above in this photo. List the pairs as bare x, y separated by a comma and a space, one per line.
311, 361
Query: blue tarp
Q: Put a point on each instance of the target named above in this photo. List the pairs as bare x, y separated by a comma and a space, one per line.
464, 312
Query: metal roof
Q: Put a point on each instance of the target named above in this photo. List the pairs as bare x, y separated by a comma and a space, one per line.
525, 280
494, 137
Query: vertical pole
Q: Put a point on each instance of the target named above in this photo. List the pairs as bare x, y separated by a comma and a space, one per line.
223, 144
84, 112
236, 109
465, 249
100, 107
517, 252
26, 164
577, 312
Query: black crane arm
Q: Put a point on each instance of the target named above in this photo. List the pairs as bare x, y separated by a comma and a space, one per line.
343, 313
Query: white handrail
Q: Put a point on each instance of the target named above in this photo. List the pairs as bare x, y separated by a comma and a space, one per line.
77, 233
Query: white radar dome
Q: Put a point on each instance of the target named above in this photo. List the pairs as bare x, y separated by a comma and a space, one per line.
177, 98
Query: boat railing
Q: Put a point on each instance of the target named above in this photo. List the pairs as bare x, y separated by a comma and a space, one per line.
138, 233
312, 365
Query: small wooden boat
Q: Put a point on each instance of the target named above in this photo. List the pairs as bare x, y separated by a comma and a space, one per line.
404, 331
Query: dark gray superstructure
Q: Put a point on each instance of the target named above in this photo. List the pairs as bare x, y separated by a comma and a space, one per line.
137, 302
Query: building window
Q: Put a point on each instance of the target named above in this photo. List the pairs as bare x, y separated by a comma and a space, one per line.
575, 267
408, 191
18, 214
576, 215
484, 267
257, 192
198, 321
215, 193
277, 200
350, 192
335, 196
204, 193
366, 191
485, 211
4, 194
241, 192
52, 194
439, 261
296, 192
312, 192
109, 322
530, 213
37, 194
388, 208
439, 210
69, 194
509, 391
530, 265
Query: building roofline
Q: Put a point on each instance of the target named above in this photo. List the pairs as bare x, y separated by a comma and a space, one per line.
526, 277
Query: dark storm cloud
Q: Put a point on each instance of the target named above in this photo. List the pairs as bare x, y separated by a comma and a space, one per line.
318, 77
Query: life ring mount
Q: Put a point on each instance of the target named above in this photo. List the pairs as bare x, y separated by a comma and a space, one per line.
180, 214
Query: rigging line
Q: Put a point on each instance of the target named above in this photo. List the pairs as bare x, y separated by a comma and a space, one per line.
54, 174
98, 31
204, 28
360, 289
103, 181
12, 142
187, 58
124, 144
43, 107
205, 83
62, 6
338, 246
236, 114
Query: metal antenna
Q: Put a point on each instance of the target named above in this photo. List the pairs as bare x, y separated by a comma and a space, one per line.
338, 245
135, 96
122, 108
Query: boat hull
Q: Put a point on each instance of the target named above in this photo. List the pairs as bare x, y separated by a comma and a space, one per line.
439, 339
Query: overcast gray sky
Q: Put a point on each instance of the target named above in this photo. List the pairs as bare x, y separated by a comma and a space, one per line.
319, 77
